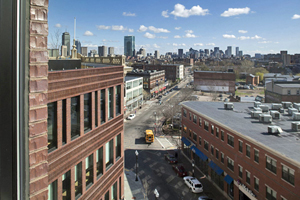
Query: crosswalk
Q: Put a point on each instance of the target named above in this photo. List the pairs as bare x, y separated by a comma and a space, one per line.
165, 143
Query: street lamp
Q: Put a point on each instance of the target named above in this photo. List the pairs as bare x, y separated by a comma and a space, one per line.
155, 122
136, 164
193, 165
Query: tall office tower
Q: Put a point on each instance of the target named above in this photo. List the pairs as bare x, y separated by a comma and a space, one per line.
180, 53
206, 52
284, 57
229, 51
111, 50
64, 51
84, 51
216, 51
78, 46
156, 54
102, 51
237, 51
129, 45
143, 52
240, 53
66, 41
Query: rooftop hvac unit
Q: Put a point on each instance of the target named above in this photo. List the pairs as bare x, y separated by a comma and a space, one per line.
296, 126
255, 114
292, 110
297, 106
286, 104
257, 103
264, 108
281, 110
274, 129
228, 106
257, 109
275, 114
265, 118
276, 106
296, 116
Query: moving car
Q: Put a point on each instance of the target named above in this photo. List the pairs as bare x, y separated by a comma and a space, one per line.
131, 116
170, 158
193, 184
179, 170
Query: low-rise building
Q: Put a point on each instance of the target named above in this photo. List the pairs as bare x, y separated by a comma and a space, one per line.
252, 79
133, 93
279, 91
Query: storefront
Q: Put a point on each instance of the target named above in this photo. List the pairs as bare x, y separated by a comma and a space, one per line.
186, 147
201, 160
230, 186
217, 174
244, 192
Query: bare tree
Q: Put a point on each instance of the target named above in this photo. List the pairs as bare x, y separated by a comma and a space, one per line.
146, 95
56, 39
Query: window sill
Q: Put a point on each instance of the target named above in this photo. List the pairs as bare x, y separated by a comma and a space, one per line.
99, 176
271, 171
287, 182
75, 137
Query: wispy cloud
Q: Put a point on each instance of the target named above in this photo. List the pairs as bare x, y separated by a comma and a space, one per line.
129, 14
175, 44
189, 34
198, 44
228, 36
156, 46
235, 11
142, 28
244, 38
152, 28
130, 30
118, 28
177, 28
88, 33
181, 11
57, 25
149, 35
265, 42
296, 16
243, 31
103, 27
256, 37
165, 14
162, 37
210, 44
177, 36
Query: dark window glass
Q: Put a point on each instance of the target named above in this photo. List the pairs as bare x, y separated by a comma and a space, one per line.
110, 103
217, 132
217, 154
248, 151
222, 157
200, 122
75, 117
256, 184
288, 174
195, 119
102, 106
256, 155
195, 137
66, 186
200, 140
109, 154
248, 177
270, 194
212, 129
52, 126
107, 195
271, 164
240, 172
87, 112
212, 150
222, 135
230, 140
99, 161
96, 109
120, 188
64, 121
230, 164
206, 125
118, 146
114, 191
184, 113
241, 146
78, 180
52, 191
118, 100
89, 171
206, 145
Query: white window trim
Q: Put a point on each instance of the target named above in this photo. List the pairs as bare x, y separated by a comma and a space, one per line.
284, 179
283, 197
246, 150
227, 140
254, 177
271, 189
254, 155
227, 163
239, 146
246, 177
266, 166
221, 135
239, 166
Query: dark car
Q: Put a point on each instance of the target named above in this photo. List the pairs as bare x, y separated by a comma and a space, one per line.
204, 198
179, 170
170, 158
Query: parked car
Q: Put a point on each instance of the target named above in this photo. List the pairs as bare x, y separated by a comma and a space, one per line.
179, 170
193, 184
204, 198
131, 116
170, 158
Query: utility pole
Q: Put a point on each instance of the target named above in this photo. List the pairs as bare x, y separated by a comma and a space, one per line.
155, 122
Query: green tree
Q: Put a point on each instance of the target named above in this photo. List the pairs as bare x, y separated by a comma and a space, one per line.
261, 75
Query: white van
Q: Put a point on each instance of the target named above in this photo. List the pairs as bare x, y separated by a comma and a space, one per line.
193, 184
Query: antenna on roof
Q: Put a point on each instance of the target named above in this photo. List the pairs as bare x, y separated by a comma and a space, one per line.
74, 28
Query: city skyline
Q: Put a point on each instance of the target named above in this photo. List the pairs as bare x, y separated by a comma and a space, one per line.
253, 26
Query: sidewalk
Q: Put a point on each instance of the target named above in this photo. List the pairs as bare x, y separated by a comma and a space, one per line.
133, 189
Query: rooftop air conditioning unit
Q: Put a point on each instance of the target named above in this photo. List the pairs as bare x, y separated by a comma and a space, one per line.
264, 108
255, 114
228, 106
281, 110
275, 114
265, 118
257, 109
257, 103
276, 106
286, 104
296, 126
297, 106
296, 116
274, 129
292, 110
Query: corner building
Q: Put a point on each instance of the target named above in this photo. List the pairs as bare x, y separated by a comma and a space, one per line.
85, 133
237, 153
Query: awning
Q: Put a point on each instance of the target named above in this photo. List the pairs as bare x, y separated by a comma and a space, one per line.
228, 179
164, 88
185, 141
156, 91
215, 167
199, 153
159, 89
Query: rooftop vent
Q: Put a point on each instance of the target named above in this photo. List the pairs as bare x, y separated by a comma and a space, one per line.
255, 114
296, 116
296, 126
275, 114
276, 106
264, 108
281, 110
286, 104
274, 129
297, 106
228, 106
257, 109
265, 118
257, 104
292, 110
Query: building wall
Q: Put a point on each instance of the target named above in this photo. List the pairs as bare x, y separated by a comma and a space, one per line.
276, 94
252, 80
258, 170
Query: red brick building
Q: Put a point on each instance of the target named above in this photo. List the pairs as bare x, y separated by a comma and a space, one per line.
251, 79
238, 154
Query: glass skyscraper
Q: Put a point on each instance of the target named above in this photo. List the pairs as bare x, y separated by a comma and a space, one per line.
129, 45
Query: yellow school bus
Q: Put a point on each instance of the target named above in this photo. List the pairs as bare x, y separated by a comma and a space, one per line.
149, 136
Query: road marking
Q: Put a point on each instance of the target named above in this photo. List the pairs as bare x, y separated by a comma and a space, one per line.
169, 142
172, 96
160, 142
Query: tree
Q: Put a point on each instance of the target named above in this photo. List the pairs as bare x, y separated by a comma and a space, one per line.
146, 95
56, 39
261, 75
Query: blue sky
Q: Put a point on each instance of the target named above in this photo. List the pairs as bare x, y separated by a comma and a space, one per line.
255, 26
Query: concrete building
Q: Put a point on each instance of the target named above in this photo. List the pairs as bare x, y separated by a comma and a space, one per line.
237, 51
142, 52
251, 79
217, 52
240, 155
78, 46
278, 77
206, 52
229, 51
277, 92
240, 53
129, 45
156, 54
66, 41
180, 53
53, 53
133, 93
102, 51
286, 58
84, 51
64, 51
111, 51
214, 81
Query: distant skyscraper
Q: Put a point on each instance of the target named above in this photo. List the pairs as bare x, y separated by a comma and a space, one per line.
78, 46
84, 51
180, 53
143, 52
237, 51
156, 54
240, 53
216, 51
111, 50
102, 51
66, 41
206, 52
129, 45
64, 50
229, 51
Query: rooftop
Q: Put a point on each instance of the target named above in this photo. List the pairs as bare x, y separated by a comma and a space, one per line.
287, 143
96, 65
129, 78
291, 85
216, 72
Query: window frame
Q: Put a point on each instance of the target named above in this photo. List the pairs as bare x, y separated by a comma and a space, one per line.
248, 153
240, 172
271, 165
288, 174
230, 140
256, 158
248, 179
222, 135
241, 147
230, 165
256, 186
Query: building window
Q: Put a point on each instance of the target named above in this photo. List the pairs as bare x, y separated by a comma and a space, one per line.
52, 126
184, 112
200, 122
270, 194
120, 187
271, 164
99, 162
200, 140
206, 145
110, 103
96, 108
230, 164
190, 133
212, 150
87, 112
109, 154
114, 191
75, 117
195, 119
212, 129
106, 197
217, 132
217, 154
241, 172
222, 135
288, 174
195, 136
190, 116
89, 171
289, 92
230, 140
102, 106
256, 184
206, 124
78, 180
298, 92
248, 150
256, 155
240, 146
248, 177
64, 122
52, 190
222, 157
184, 128
66, 186
118, 146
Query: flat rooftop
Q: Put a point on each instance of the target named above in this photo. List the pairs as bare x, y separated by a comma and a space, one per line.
291, 85
239, 119
97, 65
129, 78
